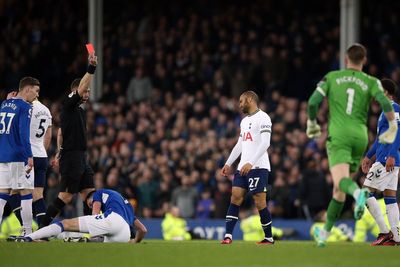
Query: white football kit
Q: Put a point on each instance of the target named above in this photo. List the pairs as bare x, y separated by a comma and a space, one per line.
41, 120
254, 140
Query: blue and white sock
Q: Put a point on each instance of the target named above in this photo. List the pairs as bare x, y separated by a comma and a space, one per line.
375, 210
232, 217
26, 213
266, 223
392, 210
39, 209
3, 201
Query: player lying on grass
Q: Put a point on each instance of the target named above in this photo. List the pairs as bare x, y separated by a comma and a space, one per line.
382, 176
114, 223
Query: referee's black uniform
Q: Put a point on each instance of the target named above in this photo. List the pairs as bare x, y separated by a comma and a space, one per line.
76, 173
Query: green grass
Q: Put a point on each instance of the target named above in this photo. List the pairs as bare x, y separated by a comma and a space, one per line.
196, 253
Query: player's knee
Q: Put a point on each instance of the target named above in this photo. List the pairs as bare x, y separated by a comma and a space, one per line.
65, 197
237, 200
37, 194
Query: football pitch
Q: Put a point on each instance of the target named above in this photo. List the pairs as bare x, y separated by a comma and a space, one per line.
196, 253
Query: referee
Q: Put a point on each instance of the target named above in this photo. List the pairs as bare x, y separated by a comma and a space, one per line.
76, 173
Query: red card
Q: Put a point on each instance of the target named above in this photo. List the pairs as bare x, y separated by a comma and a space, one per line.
90, 48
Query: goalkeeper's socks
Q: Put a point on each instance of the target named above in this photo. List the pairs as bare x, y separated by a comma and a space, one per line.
349, 187
266, 223
15, 204
26, 213
3, 201
48, 231
39, 210
393, 216
333, 213
375, 210
231, 218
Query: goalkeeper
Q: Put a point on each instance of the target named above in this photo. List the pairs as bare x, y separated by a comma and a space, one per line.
349, 94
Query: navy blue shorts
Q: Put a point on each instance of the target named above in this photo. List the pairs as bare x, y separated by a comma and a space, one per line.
255, 181
40, 168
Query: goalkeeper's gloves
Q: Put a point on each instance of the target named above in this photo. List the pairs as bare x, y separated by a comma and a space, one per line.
389, 135
313, 129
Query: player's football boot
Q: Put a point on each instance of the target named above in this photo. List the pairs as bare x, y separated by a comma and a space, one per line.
23, 239
382, 238
11, 238
320, 235
265, 242
360, 203
226, 241
390, 242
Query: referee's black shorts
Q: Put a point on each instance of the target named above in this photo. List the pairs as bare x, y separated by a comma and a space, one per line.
76, 173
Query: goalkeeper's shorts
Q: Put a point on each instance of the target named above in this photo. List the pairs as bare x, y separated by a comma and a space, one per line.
346, 149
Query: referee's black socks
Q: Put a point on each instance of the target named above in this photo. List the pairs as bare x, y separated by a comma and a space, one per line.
52, 212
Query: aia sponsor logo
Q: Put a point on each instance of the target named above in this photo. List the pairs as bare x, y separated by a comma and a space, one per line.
247, 137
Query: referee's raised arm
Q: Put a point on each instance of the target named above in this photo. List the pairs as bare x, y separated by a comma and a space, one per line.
87, 78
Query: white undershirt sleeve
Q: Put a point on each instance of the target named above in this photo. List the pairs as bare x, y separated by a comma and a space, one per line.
236, 151
264, 145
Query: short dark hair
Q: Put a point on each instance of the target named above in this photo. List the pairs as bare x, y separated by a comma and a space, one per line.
89, 195
75, 83
28, 81
389, 86
252, 95
357, 53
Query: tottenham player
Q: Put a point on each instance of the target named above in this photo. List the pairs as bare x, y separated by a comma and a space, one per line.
16, 160
114, 222
40, 141
254, 166
382, 176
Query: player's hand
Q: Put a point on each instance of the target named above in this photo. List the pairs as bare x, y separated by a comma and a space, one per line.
29, 166
12, 94
55, 163
389, 135
226, 170
245, 169
313, 129
390, 161
92, 60
366, 165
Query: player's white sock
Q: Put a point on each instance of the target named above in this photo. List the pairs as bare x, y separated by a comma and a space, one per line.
26, 214
375, 210
393, 217
3, 202
48, 231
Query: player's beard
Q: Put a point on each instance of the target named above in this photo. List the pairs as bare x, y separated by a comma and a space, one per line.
245, 109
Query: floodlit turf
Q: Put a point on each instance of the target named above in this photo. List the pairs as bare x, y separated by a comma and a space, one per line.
196, 253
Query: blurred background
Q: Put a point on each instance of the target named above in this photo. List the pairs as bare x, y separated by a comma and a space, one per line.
165, 115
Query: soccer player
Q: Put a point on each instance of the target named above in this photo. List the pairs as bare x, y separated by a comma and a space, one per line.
16, 160
253, 168
382, 176
76, 173
349, 94
40, 137
113, 223
40, 140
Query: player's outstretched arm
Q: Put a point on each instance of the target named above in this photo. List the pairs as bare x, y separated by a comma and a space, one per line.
141, 231
96, 207
87, 78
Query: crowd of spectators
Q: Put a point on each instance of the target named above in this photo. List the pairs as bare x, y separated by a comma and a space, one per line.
168, 115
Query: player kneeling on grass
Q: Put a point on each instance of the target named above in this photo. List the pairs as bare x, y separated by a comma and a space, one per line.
114, 223
382, 176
